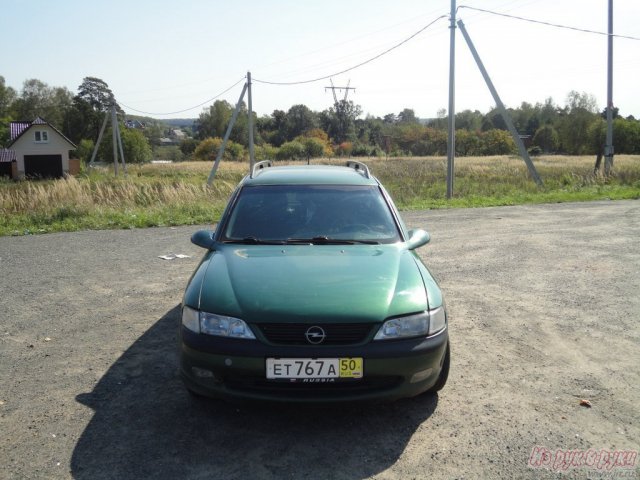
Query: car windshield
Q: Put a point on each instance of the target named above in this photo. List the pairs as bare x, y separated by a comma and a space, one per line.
311, 214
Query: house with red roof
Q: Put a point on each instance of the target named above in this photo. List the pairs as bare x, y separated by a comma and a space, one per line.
37, 150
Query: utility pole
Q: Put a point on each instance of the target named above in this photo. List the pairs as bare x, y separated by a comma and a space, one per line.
223, 145
608, 147
451, 139
503, 111
116, 138
252, 157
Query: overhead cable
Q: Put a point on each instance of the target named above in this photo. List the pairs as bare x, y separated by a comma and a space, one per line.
355, 66
186, 109
549, 24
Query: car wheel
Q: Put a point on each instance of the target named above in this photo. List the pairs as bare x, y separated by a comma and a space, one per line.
444, 374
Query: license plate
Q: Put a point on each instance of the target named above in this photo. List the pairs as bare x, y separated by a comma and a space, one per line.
294, 368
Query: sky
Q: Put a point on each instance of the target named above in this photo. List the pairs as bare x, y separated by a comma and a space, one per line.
169, 59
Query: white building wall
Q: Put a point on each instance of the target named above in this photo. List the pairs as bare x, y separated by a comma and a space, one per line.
27, 145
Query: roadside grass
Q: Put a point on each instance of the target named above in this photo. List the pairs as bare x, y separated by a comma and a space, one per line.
504, 180
176, 194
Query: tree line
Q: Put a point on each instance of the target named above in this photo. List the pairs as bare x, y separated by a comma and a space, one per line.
575, 128
79, 117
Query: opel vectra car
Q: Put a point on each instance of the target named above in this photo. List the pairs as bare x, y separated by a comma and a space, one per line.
310, 290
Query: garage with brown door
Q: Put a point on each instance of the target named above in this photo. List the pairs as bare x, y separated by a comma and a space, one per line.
43, 166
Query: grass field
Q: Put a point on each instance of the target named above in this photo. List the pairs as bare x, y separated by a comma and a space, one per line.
176, 194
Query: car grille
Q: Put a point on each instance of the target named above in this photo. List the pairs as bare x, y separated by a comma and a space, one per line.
336, 333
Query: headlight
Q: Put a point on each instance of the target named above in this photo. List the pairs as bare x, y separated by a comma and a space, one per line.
410, 326
417, 325
218, 325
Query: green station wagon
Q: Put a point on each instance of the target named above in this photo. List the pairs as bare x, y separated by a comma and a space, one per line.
311, 291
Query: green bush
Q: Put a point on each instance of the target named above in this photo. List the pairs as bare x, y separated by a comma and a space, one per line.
293, 150
235, 151
344, 149
313, 147
188, 146
497, 142
535, 151
207, 150
84, 150
265, 152
135, 145
363, 150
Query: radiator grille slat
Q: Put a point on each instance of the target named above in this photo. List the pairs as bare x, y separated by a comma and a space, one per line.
336, 333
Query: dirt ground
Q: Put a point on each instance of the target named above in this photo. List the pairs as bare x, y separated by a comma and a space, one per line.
544, 305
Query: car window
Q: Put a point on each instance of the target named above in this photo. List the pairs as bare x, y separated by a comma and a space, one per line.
341, 212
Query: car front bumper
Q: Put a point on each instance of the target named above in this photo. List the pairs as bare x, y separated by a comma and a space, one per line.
236, 369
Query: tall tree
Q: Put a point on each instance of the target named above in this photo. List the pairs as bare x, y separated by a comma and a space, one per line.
89, 107
339, 120
526, 119
574, 124
37, 99
469, 120
214, 120
390, 118
546, 138
299, 119
582, 101
97, 94
271, 127
7, 97
407, 116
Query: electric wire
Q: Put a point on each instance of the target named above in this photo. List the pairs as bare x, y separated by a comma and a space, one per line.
186, 109
301, 82
549, 24
359, 37
385, 52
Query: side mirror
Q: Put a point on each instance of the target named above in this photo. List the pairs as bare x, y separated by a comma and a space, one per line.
203, 238
417, 238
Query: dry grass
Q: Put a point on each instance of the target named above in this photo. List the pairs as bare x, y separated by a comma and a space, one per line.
173, 194
143, 186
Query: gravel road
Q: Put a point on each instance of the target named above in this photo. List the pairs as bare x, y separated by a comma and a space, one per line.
545, 312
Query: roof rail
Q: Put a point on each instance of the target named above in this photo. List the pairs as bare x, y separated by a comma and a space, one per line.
359, 167
260, 166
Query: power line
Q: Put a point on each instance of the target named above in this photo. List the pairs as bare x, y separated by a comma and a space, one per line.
385, 52
549, 24
355, 66
365, 35
186, 109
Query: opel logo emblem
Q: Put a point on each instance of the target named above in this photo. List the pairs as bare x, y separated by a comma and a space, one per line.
315, 335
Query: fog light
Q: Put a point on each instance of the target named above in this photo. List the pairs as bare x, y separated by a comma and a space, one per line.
421, 375
202, 373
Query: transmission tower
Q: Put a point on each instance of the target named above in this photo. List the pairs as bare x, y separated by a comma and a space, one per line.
333, 89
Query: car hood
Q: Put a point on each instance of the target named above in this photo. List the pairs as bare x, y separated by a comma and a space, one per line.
311, 283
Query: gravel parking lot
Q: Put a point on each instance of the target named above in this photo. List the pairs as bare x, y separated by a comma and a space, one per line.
545, 313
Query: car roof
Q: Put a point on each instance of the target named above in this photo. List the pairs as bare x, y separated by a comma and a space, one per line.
309, 175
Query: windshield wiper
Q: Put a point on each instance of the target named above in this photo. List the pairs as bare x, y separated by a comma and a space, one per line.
254, 241
324, 240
